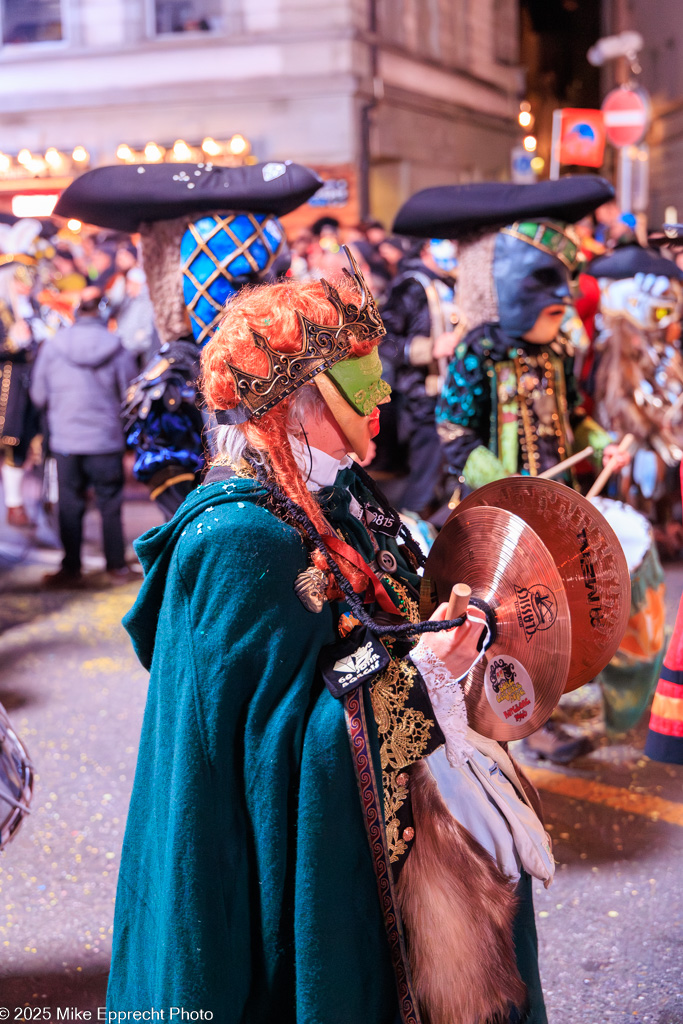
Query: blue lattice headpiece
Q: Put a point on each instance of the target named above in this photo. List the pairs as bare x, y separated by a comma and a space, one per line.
220, 253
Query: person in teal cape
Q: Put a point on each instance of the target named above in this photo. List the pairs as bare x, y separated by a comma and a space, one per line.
286, 837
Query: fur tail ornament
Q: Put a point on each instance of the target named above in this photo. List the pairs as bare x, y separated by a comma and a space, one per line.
458, 910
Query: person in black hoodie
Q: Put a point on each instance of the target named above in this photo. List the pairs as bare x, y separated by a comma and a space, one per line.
418, 316
80, 379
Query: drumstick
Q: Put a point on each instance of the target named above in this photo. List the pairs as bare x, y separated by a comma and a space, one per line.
560, 467
458, 601
624, 445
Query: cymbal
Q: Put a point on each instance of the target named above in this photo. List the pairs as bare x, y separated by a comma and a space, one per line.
515, 687
589, 558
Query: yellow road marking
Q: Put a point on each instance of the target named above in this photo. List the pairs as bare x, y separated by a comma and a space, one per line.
653, 807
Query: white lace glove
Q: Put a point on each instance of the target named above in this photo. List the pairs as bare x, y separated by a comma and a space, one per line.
448, 702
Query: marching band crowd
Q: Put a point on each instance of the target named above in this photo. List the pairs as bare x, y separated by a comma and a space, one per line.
52, 278
525, 332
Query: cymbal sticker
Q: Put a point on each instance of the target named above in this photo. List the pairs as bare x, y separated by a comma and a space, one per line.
509, 690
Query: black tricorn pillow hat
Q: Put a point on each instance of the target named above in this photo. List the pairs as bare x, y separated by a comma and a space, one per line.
628, 260
127, 195
456, 211
473, 214
161, 200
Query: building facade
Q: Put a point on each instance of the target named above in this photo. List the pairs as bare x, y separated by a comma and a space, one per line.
660, 71
383, 97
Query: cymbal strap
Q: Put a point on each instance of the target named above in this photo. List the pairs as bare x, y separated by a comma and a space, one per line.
485, 644
477, 602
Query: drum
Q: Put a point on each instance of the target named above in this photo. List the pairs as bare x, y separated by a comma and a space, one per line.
631, 676
16, 780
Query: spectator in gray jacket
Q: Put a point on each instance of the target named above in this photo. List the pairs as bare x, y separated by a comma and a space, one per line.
80, 377
135, 318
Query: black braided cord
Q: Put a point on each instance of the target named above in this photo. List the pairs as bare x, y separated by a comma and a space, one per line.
282, 503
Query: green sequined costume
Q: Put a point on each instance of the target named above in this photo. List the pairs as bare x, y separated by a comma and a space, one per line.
511, 407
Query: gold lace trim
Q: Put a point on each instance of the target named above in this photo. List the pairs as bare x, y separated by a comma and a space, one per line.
404, 734
394, 798
407, 605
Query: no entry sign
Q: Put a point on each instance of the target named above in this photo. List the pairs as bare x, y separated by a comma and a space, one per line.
627, 116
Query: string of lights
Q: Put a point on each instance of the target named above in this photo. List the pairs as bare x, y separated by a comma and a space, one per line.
526, 121
57, 163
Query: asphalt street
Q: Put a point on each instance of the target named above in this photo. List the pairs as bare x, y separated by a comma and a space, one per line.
610, 926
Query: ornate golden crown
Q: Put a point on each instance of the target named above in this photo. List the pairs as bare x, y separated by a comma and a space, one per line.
322, 346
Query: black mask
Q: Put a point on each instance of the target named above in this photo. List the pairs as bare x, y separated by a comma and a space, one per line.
527, 280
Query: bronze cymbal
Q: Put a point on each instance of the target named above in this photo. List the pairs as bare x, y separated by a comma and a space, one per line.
589, 558
518, 683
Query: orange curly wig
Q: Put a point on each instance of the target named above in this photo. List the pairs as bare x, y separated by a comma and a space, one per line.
271, 310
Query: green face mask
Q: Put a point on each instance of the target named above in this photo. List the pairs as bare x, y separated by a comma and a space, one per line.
360, 382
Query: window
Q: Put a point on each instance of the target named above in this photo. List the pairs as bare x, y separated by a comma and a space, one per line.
187, 16
31, 21
435, 29
505, 32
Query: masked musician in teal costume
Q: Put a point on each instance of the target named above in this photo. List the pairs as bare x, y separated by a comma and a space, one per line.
510, 403
206, 231
283, 824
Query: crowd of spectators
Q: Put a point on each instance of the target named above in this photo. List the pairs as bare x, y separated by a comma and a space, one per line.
316, 252
111, 266
95, 282
83, 332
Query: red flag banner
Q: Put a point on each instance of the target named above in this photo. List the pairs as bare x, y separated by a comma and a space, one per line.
582, 141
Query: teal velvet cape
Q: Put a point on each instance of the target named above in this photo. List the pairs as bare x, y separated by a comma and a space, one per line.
246, 885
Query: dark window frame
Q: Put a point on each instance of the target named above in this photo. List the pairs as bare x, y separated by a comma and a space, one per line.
152, 20
21, 5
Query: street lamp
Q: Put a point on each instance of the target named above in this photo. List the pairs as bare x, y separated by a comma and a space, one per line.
181, 150
153, 153
53, 158
238, 145
626, 44
211, 147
